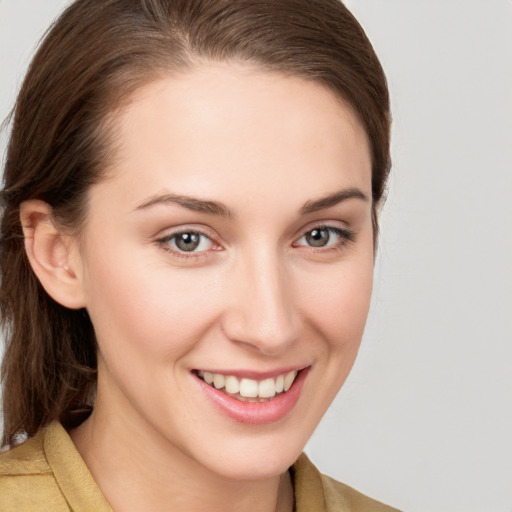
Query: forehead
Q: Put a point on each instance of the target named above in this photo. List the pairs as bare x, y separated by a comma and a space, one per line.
225, 124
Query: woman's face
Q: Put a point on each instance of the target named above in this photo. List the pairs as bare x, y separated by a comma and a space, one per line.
232, 242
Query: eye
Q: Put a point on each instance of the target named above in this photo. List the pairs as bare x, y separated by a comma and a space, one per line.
325, 236
188, 241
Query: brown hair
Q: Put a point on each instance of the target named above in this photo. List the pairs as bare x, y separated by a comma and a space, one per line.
95, 54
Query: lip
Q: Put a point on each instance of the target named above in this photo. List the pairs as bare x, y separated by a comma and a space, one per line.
256, 413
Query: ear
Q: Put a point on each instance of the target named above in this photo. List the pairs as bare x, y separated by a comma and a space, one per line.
53, 255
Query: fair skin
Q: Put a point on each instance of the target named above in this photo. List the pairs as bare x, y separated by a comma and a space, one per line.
266, 281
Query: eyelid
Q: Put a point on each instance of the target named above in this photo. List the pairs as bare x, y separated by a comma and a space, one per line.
163, 241
346, 236
187, 228
172, 240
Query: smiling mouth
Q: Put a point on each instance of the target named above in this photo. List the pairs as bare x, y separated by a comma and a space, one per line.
249, 390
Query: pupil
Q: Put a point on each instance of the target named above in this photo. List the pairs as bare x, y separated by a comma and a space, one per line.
187, 241
318, 237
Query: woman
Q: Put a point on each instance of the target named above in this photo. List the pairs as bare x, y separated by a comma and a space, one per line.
189, 226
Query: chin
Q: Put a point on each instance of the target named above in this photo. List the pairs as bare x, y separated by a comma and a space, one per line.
253, 457
254, 466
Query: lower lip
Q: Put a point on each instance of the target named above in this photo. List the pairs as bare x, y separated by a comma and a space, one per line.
256, 413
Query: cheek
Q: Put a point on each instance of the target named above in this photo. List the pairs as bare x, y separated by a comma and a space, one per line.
335, 301
148, 309
338, 300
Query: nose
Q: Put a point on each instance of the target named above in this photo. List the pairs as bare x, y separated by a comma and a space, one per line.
262, 312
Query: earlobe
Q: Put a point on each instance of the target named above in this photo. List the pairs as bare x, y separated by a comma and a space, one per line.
52, 254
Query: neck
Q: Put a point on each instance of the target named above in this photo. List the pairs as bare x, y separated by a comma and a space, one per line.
137, 470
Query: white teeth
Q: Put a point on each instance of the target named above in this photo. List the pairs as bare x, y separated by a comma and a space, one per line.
288, 380
280, 384
232, 385
267, 388
250, 388
218, 380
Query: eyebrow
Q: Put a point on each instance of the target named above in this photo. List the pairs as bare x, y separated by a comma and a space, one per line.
221, 210
332, 200
191, 203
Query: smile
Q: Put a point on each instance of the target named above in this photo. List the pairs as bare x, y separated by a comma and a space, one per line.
251, 400
249, 390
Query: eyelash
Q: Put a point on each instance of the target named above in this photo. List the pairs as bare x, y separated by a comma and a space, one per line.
346, 237
164, 242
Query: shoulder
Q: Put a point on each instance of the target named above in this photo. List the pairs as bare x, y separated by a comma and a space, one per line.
337, 493
314, 491
26, 479
25, 459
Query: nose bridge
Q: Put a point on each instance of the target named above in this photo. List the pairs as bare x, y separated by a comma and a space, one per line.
264, 313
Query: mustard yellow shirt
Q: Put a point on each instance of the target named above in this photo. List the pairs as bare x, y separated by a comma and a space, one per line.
47, 474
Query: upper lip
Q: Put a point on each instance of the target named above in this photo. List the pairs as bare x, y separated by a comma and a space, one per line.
256, 375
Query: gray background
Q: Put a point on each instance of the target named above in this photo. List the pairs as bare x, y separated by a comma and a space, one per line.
425, 419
